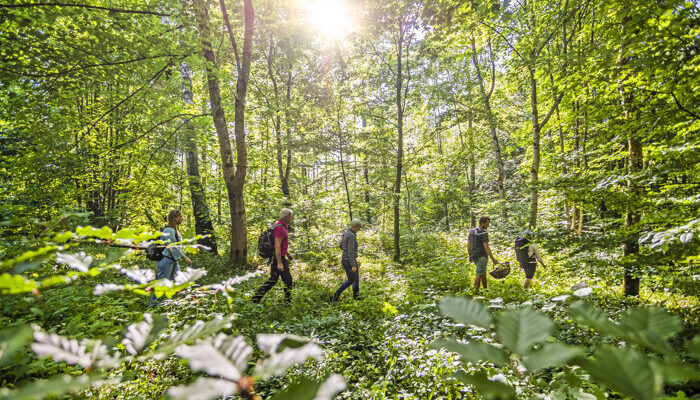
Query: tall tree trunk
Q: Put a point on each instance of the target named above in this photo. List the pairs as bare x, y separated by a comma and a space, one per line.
580, 219
472, 174
585, 130
200, 209
399, 150
282, 170
635, 165
234, 179
631, 246
408, 202
486, 98
342, 165
365, 171
447, 215
217, 110
446, 180
239, 229
534, 170
368, 214
536, 129
562, 151
531, 61
288, 122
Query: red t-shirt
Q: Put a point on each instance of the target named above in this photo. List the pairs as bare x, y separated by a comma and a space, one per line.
282, 232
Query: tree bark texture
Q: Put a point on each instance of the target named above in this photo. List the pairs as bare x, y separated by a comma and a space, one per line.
234, 178
535, 168
472, 175
282, 170
239, 231
342, 166
635, 165
536, 130
217, 111
486, 98
202, 219
399, 149
365, 171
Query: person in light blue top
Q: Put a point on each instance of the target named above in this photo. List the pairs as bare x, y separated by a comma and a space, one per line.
168, 266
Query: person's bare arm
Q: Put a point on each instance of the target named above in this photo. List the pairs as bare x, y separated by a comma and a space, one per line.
278, 253
537, 255
469, 246
488, 251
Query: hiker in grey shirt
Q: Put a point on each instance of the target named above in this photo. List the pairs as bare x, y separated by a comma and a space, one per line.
349, 259
478, 248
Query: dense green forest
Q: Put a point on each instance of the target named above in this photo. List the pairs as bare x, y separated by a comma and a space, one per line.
574, 123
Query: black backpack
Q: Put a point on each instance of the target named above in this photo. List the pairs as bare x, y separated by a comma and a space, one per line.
521, 252
266, 242
154, 252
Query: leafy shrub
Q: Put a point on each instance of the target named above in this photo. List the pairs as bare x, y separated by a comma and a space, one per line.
524, 344
104, 361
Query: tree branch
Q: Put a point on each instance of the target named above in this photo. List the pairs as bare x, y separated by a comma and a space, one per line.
88, 6
139, 137
678, 103
493, 70
152, 82
551, 110
230, 34
74, 69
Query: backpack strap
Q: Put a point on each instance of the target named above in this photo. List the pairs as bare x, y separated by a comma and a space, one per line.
166, 246
272, 231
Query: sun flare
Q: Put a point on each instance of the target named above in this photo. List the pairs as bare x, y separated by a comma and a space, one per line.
330, 18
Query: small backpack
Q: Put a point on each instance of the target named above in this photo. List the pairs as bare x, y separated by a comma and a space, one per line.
521, 252
154, 252
266, 242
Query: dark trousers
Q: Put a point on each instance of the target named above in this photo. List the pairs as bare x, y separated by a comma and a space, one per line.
353, 279
274, 276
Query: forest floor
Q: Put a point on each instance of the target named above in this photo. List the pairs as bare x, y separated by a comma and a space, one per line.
380, 343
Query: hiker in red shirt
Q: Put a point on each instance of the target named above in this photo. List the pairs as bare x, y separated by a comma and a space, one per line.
279, 265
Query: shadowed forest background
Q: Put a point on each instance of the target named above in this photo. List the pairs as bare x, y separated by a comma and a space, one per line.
572, 121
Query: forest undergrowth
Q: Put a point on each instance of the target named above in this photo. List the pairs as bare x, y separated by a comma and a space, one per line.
380, 343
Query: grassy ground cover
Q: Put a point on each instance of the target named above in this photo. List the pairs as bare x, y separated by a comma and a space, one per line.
380, 344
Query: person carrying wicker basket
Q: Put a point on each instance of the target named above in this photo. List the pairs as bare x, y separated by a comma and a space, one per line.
479, 251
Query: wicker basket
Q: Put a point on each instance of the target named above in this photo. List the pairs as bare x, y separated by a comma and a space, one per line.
501, 271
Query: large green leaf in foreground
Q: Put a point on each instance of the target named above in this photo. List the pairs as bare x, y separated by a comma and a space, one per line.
594, 317
11, 340
520, 329
308, 389
650, 327
52, 387
473, 352
624, 370
550, 355
465, 311
492, 390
